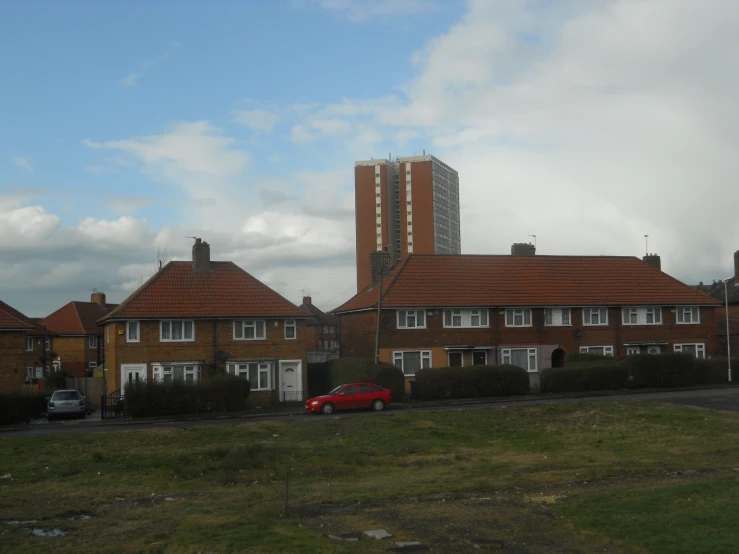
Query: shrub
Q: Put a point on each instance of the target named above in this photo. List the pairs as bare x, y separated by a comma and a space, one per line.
223, 393
662, 370
715, 371
581, 357
597, 374
323, 377
471, 382
56, 380
16, 407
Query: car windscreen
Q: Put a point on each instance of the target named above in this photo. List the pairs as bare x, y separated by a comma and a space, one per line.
336, 390
66, 395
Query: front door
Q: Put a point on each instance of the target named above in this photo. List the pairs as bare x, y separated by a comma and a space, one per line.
479, 357
632, 350
291, 380
455, 359
132, 373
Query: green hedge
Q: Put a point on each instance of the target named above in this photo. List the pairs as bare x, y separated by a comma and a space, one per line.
471, 382
323, 377
715, 371
223, 393
650, 371
598, 374
17, 407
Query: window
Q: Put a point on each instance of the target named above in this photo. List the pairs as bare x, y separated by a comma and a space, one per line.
411, 362
47, 343
365, 389
289, 328
518, 318
250, 329
92, 366
177, 330
697, 350
465, 318
557, 317
377, 174
688, 315
377, 195
595, 316
379, 225
641, 316
379, 205
92, 341
259, 374
408, 203
522, 357
185, 373
29, 344
597, 350
411, 319
132, 331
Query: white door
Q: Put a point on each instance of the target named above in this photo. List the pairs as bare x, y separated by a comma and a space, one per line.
291, 380
632, 350
654, 350
132, 373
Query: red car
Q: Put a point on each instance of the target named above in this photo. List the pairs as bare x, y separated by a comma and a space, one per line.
353, 395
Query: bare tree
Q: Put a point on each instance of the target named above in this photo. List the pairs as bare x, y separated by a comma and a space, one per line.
163, 258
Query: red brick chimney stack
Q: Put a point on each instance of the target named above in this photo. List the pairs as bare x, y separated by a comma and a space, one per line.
307, 300
98, 298
201, 256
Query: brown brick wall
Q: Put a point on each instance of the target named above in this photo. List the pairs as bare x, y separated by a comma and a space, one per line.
423, 208
733, 330
14, 359
315, 335
366, 227
150, 350
76, 354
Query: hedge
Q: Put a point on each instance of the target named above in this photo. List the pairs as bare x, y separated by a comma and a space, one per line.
223, 393
471, 382
715, 371
17, 407
323, 377
598, 374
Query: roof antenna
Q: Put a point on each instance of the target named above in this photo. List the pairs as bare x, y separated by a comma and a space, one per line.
646, 245
534, 240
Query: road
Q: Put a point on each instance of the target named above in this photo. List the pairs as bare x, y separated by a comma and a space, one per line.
718, 399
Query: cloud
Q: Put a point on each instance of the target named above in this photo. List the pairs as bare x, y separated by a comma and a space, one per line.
362, 10
20, 161
130, 80
133, 78
259, 121
128, 204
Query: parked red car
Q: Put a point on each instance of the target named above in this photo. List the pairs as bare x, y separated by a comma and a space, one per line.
346, 397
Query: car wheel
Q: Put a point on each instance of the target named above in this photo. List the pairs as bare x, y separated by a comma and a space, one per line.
327, 408
378, 405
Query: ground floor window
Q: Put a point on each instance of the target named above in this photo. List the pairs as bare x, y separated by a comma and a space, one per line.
412, 361
522, 357
697, 349
259, 374
168, 373
597, 350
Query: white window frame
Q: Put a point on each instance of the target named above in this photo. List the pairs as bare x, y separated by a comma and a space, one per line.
29, 341
107, 334
607, 350
515, 313
639, 315
92, 342
129, 335
700, 348
241, 325
47, 343
171, 323
193, 369
587, 317
530, 352
291, 324
425, 357
403, 315
695, 315
92, 366
460, 318
264, 370
554, 317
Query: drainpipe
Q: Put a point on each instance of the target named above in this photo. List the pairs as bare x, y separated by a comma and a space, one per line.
728, 336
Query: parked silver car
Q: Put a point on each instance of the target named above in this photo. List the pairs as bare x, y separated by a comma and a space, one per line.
66, 403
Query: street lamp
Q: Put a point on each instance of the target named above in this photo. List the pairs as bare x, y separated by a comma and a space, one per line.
728, 337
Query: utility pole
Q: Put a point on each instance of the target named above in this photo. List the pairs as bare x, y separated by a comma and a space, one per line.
379, 313
728, 337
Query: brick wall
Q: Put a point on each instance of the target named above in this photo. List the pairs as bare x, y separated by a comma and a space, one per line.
76, 354
357, 334
733, 330
14, 359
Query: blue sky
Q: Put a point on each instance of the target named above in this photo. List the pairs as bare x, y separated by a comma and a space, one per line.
126, 127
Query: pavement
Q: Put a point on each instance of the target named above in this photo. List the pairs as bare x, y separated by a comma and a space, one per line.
717, 398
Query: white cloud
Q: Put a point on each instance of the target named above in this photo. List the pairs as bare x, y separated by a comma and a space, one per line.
20, 161
133, 78
128, 204
130, 80
274, 158
259, 121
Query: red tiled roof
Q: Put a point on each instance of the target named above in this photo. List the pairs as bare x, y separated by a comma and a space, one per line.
227, 291
77, 318
12, 319
470, 280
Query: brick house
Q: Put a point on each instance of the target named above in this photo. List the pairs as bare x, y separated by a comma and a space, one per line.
79, 340
25, 349
719, 291
192, 320
322, 332
531, 311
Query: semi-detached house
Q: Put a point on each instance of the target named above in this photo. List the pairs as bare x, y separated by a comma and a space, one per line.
193, 320
531, 311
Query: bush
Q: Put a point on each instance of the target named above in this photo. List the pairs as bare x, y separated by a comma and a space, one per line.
715, 371
56, 380
471, 382
223, 393
17, 407
323, 377
663, 370
598, 374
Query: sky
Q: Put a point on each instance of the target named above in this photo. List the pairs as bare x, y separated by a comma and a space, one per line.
127, 127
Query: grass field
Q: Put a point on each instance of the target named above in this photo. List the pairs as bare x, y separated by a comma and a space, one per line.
608, 477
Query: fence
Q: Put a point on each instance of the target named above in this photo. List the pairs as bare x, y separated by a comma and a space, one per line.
92, 387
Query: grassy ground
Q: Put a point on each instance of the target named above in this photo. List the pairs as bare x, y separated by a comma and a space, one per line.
613, 477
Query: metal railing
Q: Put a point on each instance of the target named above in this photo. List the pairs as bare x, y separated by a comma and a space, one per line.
111, 406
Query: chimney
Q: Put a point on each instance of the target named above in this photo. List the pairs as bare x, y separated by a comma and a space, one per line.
201, 256
379, 264
523, 249
653, 260
307, 300
736, 267
98, 298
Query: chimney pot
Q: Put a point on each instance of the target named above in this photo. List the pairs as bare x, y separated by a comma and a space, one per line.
201, 256
654, 260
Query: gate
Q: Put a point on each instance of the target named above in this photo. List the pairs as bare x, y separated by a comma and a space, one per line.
111, 406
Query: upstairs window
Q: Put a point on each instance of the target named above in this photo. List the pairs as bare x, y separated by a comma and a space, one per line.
595, 316
184, 373
29, 344
290, 329
688, 315
411, 319
557, 317
92, 341
518, 318
641, 316
177, 330
466, 318
132, 331
250, 329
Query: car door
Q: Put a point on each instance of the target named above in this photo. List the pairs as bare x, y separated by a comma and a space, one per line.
365, 396
348, 397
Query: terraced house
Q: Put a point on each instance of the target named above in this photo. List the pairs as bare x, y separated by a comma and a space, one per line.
193, 320
527, 310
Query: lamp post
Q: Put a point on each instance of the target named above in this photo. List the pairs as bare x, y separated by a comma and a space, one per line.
728, 337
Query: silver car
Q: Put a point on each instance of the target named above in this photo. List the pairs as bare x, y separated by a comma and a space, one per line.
66, 403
